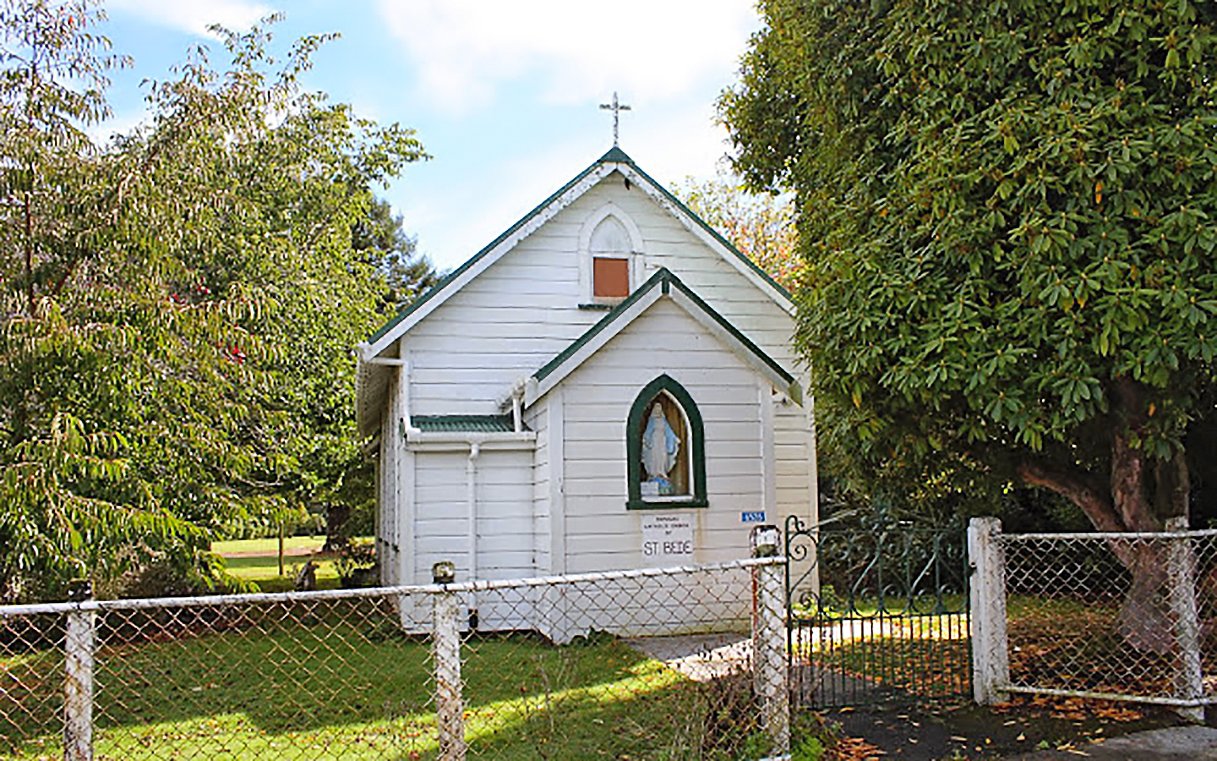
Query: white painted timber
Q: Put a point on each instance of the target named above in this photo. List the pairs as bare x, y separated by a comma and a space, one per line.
522, 308
551, 498
600, 533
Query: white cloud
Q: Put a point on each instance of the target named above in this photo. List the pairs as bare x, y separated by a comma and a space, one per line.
648, 49
452, 224
194, 16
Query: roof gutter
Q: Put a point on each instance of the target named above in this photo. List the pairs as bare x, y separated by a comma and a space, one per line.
460, 441
402, 376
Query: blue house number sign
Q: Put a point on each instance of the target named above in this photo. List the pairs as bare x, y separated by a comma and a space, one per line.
753, 517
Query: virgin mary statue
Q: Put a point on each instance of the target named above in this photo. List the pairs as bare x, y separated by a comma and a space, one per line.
660, 445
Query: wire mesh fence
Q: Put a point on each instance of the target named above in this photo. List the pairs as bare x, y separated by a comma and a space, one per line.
663, 663
1115, 615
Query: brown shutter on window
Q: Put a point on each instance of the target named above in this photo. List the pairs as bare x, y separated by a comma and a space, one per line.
610, 277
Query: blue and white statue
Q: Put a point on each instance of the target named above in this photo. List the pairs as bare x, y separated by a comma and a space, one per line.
660, 445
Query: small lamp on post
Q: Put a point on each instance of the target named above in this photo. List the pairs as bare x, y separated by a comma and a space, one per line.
764, 541
443, 572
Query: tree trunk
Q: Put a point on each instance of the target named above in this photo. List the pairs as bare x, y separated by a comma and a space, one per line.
1140, 494
335, 523
1145, 620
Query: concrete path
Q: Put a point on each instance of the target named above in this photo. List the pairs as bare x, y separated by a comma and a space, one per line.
1173, 744
700, 657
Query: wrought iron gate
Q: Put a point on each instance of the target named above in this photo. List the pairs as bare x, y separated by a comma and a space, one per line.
876, 614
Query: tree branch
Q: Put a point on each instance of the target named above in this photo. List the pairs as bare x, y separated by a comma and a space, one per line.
1080, 488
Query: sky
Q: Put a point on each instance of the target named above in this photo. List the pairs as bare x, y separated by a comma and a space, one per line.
504, 95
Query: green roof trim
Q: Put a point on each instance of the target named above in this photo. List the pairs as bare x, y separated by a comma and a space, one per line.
463, 423
613, 156
714, 233
666, 280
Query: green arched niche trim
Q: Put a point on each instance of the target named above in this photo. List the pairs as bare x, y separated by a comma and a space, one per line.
633, 446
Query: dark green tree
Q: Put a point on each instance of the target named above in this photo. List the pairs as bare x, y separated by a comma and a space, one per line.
1006, 211
382, 239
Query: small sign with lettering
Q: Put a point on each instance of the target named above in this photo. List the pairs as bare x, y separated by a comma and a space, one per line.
757, 516
667, 538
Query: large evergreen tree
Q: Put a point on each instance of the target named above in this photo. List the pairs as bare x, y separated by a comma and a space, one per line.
1007, 214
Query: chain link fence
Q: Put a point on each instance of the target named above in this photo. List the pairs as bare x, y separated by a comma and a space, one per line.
672, 663
1129, 616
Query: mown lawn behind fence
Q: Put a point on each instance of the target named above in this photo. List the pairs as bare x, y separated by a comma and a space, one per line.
335, 689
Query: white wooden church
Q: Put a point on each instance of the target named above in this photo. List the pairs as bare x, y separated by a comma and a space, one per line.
609, 384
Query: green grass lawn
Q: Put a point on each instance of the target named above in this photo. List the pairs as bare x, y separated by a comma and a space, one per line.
353, 687
299, 544
257, 561
264, 571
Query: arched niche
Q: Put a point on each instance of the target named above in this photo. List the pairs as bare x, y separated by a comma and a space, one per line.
665, 448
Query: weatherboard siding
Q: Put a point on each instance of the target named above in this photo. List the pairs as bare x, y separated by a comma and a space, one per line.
537, 420
504, 508
669, 244
600, 532
523, 310
388, 471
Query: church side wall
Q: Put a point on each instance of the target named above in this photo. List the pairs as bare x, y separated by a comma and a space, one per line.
441, 528
537, 420
389, 508
792, 445
505, 514
504, 490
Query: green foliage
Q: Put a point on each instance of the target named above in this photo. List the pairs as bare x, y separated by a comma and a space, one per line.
356, 564
380, 237
1005, 212
177, 307
760, 225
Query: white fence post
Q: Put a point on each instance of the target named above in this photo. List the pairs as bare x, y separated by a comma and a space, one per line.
771, 668
446, 641
990, 656
79, 644
1181, 564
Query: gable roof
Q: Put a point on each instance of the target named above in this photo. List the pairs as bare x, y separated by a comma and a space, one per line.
663, 284
615, 160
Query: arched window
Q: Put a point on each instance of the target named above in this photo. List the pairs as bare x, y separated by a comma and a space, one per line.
665, 446
610, 250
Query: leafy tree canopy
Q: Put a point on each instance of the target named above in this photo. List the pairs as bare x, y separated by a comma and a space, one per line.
177, 306
760, 225
1006, 210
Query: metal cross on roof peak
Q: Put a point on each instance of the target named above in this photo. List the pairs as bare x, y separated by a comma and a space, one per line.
616, 107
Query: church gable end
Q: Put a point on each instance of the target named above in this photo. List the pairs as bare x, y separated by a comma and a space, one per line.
607, 365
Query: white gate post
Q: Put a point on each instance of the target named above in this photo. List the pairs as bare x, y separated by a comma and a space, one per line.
446, 643
79, 644
987, 614
1181, 574
771, 668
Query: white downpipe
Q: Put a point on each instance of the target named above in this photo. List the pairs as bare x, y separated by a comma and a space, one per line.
517, 415
475, 450
403, 399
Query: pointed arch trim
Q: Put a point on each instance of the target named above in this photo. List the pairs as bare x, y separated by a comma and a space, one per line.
696, 443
